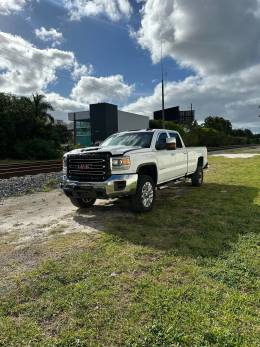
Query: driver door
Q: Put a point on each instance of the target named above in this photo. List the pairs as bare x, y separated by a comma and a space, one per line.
178, 158
163, 158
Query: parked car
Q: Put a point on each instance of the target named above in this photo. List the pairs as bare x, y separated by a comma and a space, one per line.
132, 164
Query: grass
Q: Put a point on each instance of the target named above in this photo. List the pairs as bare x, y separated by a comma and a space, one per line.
186, 274
57, 229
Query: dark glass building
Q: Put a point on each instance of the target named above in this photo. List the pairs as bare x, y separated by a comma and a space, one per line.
174, 114
103, 120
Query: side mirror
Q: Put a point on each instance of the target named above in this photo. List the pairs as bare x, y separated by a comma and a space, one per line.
171, 143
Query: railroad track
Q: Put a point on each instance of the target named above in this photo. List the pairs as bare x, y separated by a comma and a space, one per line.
29, 168
222, 148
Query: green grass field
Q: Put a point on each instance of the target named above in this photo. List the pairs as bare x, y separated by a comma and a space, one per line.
186, 274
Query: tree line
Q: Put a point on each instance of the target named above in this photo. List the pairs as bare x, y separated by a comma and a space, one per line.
27, 130
214, 132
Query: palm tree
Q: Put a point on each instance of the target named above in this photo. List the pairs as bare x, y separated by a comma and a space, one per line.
41, 108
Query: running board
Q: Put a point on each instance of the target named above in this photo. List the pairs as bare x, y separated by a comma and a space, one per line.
165, 186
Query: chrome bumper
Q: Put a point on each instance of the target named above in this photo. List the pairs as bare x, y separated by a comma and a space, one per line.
114, 186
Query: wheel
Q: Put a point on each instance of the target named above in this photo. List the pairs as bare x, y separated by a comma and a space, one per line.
197, 177
144, 197
82, 202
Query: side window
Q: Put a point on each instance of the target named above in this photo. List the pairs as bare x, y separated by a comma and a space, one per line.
178, 140
161, 141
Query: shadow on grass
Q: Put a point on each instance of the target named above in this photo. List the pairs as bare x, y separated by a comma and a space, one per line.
187, 221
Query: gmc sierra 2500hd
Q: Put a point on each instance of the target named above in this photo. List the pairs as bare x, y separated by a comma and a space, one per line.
133, 164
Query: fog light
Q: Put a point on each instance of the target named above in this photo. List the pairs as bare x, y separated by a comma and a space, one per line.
119, 185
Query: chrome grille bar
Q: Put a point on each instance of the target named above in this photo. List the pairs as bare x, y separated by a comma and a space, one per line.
89, 167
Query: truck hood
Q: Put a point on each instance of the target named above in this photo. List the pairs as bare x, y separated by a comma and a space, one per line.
114, 150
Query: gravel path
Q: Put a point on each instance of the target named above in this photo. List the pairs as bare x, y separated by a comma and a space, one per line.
16, 186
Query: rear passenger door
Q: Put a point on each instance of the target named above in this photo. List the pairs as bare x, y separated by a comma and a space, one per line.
178, 158
163, 157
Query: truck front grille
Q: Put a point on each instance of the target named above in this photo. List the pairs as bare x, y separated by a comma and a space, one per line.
89, 167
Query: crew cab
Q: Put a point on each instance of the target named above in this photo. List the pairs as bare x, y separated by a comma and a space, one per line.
132, 164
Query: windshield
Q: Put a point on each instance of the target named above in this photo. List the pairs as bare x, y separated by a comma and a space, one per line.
132, 139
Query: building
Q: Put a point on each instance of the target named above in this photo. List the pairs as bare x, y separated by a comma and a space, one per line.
174, 114
102, 120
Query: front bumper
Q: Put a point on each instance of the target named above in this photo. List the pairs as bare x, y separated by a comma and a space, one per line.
114, 186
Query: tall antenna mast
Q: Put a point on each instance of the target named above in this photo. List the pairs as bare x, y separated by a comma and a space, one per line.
162, 72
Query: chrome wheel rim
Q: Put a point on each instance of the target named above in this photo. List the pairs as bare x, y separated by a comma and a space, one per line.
147, 194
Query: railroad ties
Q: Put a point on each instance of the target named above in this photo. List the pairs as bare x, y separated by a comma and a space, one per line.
29, 168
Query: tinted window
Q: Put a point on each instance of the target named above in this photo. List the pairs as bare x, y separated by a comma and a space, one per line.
161, 141
178, 140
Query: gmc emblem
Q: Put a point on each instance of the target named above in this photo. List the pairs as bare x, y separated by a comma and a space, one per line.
83, 166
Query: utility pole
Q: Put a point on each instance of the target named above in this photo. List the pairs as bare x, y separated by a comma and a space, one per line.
74, 129
162, 72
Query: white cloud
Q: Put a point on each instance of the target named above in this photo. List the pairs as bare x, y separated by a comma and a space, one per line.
90, 89
64, 104
25, 69
113, 9
49, 35
220, 41
215, 37
235, 97
9, 6
81, 70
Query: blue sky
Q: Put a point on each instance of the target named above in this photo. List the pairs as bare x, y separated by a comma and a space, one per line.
208, 59
94, 40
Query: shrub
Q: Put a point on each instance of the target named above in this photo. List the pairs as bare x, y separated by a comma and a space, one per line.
36, 149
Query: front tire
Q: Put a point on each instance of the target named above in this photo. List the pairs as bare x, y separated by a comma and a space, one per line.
143, 200
81, 202
197, 177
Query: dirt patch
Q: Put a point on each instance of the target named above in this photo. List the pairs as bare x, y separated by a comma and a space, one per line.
35, 217
46, 225
31, 224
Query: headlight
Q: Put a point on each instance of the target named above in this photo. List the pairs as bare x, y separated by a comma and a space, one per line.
121, 163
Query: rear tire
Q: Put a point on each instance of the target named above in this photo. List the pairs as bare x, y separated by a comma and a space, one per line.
197, 177
82, 202
143, 200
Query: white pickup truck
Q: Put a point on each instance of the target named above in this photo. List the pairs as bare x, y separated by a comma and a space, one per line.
133, 164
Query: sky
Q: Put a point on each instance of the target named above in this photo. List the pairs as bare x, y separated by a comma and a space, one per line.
78, 52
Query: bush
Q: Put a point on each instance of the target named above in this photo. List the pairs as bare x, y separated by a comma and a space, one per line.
36, 149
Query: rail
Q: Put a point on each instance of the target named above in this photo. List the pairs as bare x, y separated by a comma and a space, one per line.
29, 168
222, 148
